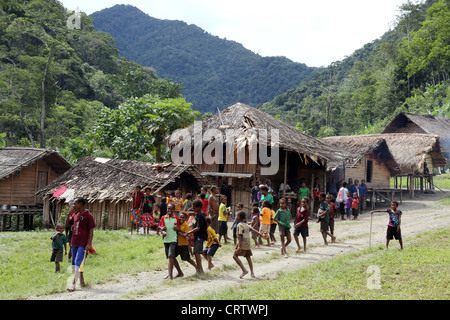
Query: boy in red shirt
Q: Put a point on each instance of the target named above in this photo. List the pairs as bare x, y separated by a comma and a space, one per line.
355, 206
301, 223
333, 208
81, 243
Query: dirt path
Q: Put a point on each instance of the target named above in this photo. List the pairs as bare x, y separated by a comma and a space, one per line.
419, 215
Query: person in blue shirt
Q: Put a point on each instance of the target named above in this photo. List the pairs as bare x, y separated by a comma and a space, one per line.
362, 195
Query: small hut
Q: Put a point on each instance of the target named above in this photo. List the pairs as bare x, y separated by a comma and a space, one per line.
241, 144
107, 185
425, 124
371, 160
23, 171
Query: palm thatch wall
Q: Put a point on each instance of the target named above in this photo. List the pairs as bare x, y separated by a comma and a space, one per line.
107, 185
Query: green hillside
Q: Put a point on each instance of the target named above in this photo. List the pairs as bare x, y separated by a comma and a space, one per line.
407, 69
55, 80
214, 72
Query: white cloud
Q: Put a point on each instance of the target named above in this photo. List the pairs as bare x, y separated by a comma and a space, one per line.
313, 32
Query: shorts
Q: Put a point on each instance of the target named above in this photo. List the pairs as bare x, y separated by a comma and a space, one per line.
355, 212
348, 211
170, 248
210, 251
273, 227
392, 233
198, 245
264, 228
323, 225
245, 253
78, 258
223, 228
183, 252
304, 231
284, 231
57, 255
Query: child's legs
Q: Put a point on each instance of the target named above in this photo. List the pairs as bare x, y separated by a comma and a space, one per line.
239, 263
250, 263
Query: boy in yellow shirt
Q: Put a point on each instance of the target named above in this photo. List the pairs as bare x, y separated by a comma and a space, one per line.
182, 249
266, 217
212, 244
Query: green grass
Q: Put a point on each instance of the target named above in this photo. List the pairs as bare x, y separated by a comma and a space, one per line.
26, 269
421, 271
441, 181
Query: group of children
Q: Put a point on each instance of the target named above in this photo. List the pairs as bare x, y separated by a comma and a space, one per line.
185, 227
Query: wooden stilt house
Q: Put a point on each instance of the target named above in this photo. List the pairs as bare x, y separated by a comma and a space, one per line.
242, 144
23, 171
107, 185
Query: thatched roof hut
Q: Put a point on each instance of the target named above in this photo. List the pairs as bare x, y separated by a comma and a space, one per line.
243, 118
107, 185
298, 157
426, 124
371, 160
409, 151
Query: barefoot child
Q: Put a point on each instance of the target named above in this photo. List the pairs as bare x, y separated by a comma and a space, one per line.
355, 206
283, 217
301, 223
265, 216
168, 225
254, 223
58, 241
243, 248
324, 218
183, 242
395, 220
199, 229
212, 244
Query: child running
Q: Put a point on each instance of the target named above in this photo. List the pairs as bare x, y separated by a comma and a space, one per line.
265, 216
243, 247
182, 249
283, 217
395, 220
212, 244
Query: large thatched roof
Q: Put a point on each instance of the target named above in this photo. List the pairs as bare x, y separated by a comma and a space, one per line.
359, 146
409, 150
13, 159
423, 124
244, 119
114, 179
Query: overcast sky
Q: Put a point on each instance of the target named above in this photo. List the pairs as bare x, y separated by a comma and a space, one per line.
313, 32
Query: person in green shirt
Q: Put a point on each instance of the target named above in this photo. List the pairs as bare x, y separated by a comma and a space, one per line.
283, 217
265, 195
170, 225
304, 192
59, 242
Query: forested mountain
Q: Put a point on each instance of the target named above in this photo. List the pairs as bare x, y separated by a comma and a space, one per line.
407, 69
214, 72
56, 78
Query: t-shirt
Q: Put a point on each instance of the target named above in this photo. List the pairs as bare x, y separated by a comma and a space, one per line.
355, 203
205, 205
200, 222
302, 213
137, 199
348, 203
283, 217
223, 216
212, 236
393, 217
82, 223
149, 200
304, 192
268, 197
333, 208
324, 206
59, 241
362, 190
243, 230
170, 223
265, 215
182, 241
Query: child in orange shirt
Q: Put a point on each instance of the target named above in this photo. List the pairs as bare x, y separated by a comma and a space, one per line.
355, 206
265, 218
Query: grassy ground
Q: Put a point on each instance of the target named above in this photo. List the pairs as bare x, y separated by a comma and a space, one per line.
421, 271
26, 269
441, 181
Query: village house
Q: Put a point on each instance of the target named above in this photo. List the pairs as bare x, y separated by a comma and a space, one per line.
241, 145
107, 185
23, 171
424, 124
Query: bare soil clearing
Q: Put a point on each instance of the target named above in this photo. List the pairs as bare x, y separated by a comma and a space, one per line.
419, 215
